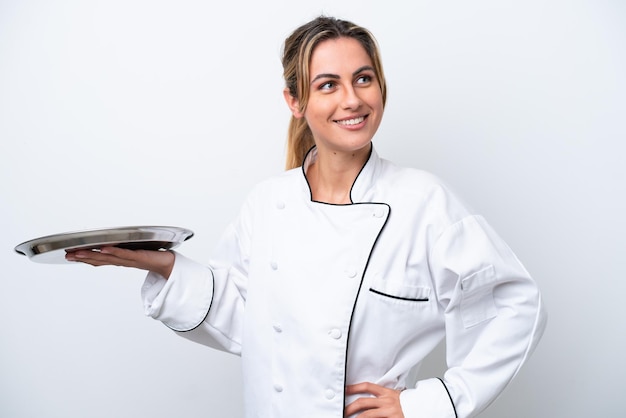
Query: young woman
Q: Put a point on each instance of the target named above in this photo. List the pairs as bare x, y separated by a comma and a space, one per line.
339, 276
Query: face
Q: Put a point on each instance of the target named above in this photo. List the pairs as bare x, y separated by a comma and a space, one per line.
345, 104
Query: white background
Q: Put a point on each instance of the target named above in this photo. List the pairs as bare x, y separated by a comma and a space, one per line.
160, 112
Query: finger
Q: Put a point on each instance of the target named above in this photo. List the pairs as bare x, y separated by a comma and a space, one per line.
367, 387
93, 257
385, 407
122, 253
105, 256
160, 262
385, 403
359, 405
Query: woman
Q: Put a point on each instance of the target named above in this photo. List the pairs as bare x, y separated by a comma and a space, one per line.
341, 275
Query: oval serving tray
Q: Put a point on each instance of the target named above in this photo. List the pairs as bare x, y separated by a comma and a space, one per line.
51, 249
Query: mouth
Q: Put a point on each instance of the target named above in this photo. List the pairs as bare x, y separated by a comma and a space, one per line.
351, 122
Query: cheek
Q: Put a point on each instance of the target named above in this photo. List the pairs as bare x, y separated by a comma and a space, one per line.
375, 99
375, 102
378, 108
318, 110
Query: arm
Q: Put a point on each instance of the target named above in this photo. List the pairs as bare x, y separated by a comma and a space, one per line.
202, 303
494, 319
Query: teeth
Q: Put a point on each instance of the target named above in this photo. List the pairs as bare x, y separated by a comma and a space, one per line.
351, 121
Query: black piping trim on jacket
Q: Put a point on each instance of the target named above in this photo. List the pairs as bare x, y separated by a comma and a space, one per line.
345, 371
358, 292
351, 187
378, 292
207, 311
449, 396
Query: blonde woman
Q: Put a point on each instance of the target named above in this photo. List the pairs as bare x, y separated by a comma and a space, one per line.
340, 275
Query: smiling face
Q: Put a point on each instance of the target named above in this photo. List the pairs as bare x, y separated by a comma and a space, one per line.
345, 103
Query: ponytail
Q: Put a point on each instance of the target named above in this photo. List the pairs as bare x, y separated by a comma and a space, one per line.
299, 142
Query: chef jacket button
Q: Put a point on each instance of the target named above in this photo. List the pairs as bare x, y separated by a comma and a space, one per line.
274, 265
277, 328
278, 388
351, 273
379, 213
329, 393
335, 333
280, 205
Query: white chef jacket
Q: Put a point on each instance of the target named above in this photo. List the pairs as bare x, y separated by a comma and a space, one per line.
315, 296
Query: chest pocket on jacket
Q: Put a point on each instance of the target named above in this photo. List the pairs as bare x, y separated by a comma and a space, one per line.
400, 294
477, 304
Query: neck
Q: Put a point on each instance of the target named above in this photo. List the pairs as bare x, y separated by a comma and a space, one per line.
332, 175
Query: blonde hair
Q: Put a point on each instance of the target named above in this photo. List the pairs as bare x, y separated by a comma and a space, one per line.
297, 53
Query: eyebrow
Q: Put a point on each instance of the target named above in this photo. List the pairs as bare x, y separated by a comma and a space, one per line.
336, 77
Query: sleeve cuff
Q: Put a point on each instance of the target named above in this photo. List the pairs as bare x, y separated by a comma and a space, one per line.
181, 302
430, 398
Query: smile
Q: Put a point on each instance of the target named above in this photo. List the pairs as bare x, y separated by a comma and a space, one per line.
350, 122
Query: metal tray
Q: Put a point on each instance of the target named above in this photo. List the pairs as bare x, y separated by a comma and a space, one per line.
51, 249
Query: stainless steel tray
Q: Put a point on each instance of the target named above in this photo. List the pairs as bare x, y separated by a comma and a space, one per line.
52, 248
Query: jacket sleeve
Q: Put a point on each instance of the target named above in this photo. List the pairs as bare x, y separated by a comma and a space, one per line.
205, 303
494, 318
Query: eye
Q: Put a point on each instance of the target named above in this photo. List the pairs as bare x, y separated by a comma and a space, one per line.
364, 79
328, 85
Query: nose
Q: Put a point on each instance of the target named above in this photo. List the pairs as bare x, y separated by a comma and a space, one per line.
350, 99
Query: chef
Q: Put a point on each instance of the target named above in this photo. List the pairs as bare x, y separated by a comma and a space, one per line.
339, 276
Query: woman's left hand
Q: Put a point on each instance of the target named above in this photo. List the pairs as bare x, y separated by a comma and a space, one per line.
384, 404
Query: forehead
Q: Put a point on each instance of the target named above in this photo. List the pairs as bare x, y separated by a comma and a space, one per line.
334, 56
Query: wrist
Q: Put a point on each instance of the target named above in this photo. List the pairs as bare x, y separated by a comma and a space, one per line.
164, 264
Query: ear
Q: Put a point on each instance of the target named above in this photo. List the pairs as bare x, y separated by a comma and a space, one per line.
293, 104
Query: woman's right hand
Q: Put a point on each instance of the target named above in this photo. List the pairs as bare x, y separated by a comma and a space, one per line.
160, 262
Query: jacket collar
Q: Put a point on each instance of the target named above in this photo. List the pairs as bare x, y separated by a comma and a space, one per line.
363, 182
